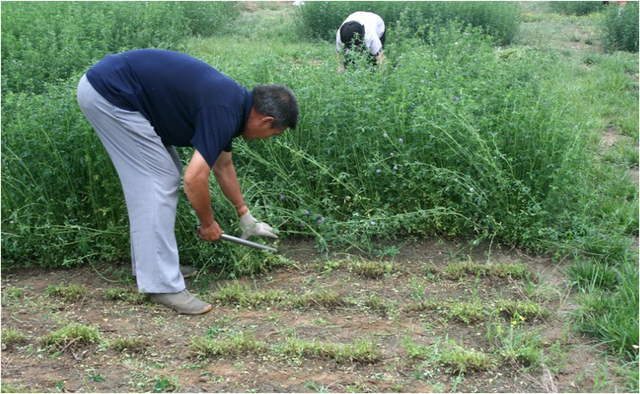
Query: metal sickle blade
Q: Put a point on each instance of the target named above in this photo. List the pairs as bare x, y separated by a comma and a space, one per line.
247, 243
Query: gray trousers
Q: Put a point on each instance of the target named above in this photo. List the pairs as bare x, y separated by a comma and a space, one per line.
150, 173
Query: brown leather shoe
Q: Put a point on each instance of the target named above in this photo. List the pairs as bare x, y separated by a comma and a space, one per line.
182, 302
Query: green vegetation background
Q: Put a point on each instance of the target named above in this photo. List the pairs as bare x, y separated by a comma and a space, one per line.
462, 134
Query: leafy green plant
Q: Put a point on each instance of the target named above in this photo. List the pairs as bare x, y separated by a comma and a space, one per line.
73, 333
462, 360
324, 298
321, 19
243, 295
232, 344
361, 350
12, 337
620, 27
513, 342
47, 42
128, 344
71, 292
576, 7
522, 308
124, 294
589, 274
372, 269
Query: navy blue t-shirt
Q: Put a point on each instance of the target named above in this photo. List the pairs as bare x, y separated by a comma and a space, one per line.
188, 102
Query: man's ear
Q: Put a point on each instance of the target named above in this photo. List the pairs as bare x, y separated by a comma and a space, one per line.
267, 120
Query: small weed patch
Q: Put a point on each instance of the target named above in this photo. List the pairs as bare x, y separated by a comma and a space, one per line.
361, 350
234, 344
372, 269
324, 298
129, 345
71, 292
12, 337
462, 270
521, 309
462, 360
125, 294
72, 333
242, 295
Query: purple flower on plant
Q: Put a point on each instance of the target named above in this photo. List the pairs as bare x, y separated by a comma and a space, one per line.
306, 212
320, 220
282, 196
455, 98
400, 140
378, 171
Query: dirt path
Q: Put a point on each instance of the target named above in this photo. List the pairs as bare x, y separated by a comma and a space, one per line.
422, 301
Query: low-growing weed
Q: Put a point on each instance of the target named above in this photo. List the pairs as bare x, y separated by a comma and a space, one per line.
513, 342
469, 268
163, 384
461, 360
125, 294
72, 333
467, 312
244, 296
12, 337
234, 344
12, 293
71, 292
372, 269
361, 350
589, 274
522, 308
323, 298
6, 388
129, 344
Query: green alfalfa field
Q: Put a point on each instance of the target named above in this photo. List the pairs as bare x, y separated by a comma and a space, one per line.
430, 290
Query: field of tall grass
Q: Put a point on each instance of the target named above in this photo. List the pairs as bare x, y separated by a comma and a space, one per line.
459, 135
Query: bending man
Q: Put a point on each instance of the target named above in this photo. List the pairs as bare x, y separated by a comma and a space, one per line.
361, 32
145, 102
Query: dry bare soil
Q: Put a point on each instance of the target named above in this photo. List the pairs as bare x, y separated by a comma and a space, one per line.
423, 318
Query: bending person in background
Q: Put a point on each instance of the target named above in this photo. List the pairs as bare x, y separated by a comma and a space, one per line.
361, 33
145, 102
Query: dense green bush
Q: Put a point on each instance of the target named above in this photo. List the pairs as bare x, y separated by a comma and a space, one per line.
620, 27
452, 137
321, 19
45, 42
61, 196
576, 7
63, 203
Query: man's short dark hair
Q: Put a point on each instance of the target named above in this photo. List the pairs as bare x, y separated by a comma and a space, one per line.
352, 34
279, 102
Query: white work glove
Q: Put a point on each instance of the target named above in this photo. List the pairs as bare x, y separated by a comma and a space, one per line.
251, 227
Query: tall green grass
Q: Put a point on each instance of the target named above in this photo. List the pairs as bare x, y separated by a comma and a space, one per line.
45, 42
452, 138
620, 28
577, 7
321, 19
